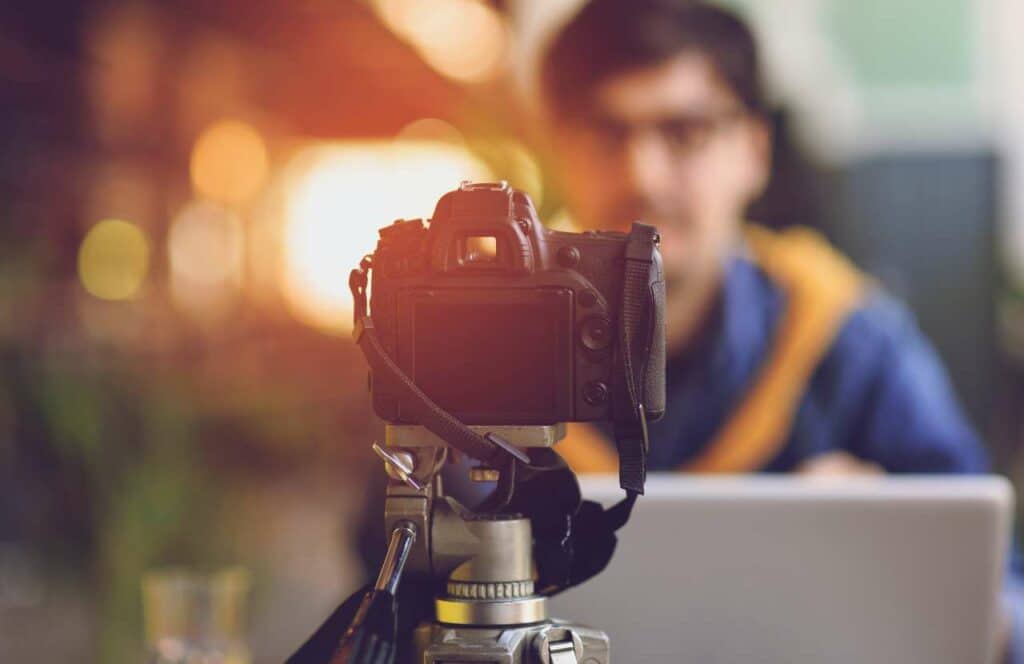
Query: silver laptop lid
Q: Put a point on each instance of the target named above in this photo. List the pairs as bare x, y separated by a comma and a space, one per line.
790, 570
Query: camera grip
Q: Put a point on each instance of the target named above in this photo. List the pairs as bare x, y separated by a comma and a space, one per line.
654, 370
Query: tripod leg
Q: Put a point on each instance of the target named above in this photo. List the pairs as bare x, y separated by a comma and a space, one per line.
367, 618
371, 637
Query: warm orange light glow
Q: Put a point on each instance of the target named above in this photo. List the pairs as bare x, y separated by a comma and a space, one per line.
205, 250
122, 70
524, 171
431, 129
463, 39
563, 221
113, 260
229, 162
339, 196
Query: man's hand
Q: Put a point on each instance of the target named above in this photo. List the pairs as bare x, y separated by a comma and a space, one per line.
838, 464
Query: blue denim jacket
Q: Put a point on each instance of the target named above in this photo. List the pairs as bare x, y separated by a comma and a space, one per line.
880, 392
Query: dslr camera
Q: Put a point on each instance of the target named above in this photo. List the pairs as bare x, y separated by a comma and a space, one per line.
501, 321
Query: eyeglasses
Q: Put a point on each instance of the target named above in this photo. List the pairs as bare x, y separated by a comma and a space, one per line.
685, 135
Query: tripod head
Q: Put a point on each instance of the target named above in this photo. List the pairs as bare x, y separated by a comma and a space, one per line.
487, 596
483, 554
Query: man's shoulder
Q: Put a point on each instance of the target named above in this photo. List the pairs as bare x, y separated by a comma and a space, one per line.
876, 340
871, 326
881, 318
874, 316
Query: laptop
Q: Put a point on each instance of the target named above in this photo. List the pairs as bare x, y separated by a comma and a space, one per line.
783, 570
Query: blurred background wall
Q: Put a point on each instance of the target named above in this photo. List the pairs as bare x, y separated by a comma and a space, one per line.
185, 184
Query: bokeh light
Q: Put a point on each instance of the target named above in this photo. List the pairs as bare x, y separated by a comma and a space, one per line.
431, 129
338, 196
465, 40
229, 162
113, 260
205, 246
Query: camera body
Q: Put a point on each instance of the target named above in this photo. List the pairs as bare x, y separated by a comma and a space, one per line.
501, 321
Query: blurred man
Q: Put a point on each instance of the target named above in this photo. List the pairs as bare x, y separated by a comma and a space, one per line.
782, 356
780, 350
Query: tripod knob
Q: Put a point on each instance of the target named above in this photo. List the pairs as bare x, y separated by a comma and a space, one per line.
490, 590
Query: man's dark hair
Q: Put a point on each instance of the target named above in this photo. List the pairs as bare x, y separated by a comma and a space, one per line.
609, 37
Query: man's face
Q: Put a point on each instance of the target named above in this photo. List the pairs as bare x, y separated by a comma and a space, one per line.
668, 145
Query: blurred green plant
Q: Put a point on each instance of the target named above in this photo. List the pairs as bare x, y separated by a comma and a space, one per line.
153, 501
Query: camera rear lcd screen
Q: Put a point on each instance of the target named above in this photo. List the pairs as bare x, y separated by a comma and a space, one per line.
494, 361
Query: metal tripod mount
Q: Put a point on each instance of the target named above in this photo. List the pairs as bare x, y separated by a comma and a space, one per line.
489, 612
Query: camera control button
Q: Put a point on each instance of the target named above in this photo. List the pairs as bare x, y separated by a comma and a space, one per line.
596, 333
595, 393
568, 256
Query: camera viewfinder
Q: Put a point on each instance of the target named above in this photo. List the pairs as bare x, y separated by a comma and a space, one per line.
480, 249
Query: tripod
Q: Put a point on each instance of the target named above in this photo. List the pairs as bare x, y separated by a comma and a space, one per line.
489, 611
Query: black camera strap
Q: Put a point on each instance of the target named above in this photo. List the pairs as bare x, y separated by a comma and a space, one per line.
629, 419
490, 449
